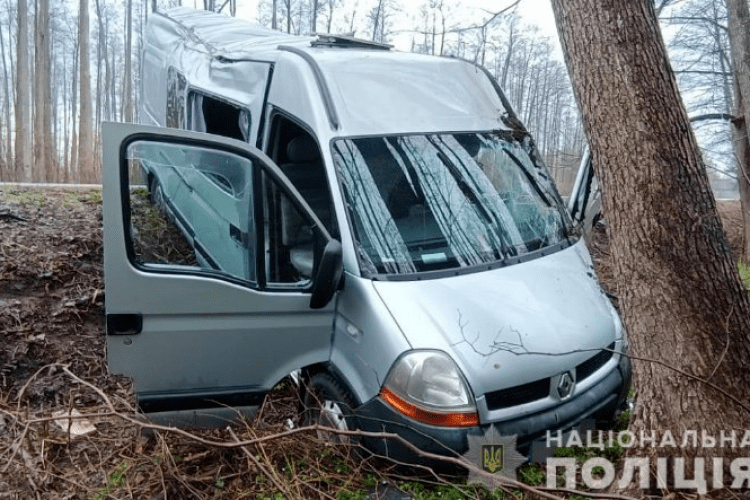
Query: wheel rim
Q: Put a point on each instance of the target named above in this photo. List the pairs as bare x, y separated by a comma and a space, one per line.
331, 415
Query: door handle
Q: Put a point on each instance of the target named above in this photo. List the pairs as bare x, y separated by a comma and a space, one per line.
238, 235
124, 324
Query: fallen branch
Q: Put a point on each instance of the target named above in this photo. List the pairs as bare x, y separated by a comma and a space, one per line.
506, 483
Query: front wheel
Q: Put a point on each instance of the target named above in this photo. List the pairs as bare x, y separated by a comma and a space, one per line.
328, 403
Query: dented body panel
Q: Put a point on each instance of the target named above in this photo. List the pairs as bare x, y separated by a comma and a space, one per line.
465, 291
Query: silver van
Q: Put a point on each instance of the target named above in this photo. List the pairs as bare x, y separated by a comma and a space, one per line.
378, 223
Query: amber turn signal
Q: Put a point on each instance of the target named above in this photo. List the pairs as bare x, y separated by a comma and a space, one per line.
433, 418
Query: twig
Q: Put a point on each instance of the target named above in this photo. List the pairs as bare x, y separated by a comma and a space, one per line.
694, 377
495, 15
500, 481
15, 448
28, 382
270, 474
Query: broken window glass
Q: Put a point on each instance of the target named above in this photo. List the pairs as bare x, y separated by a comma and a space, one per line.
215, 116
442, 201
176, 86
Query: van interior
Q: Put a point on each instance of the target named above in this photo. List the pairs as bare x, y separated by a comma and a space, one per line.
288, 237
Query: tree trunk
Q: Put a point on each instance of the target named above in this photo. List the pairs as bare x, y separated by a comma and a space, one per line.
99, 65
509, 54
314, 17
23, 97
43, 155
74, 173
741, 143
681, 298
8, 160
85, 135
739, 41
330, 16
288, 15
376, 19
127, 97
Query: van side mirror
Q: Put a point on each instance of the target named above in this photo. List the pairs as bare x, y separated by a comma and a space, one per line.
328, 277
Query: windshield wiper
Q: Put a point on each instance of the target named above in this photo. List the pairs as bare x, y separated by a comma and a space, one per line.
464, 187
507, 248
529, 177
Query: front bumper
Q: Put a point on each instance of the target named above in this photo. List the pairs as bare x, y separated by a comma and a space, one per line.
600, 402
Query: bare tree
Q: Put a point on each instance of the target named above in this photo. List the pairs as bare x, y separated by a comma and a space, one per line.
739, 24
86, 164
378, 18
45, 167
351, 19
288, 13
8, 166
314, 11
127, 92
23, 96
331, 5
682, 301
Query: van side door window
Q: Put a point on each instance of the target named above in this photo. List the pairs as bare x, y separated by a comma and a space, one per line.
176, 88
298, 155
289, 238
217, 116
189, 265
197, 214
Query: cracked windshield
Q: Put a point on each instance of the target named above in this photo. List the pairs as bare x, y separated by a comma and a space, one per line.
442, 201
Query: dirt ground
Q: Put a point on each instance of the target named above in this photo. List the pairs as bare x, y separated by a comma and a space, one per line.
52, 320
52, 359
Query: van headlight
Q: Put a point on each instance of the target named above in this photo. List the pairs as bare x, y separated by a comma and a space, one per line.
428, 386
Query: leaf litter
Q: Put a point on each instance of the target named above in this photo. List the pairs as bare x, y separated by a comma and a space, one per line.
52, 325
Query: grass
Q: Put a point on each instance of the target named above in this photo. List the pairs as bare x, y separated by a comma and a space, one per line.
26, 198
744, 274
39, 198
531, 474
115, 480
156, 239
94, 196
422, 491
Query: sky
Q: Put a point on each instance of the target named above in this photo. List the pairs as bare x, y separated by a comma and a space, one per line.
533, 12
537, 12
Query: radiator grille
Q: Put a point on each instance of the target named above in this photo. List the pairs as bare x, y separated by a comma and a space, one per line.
585, 369
518, 395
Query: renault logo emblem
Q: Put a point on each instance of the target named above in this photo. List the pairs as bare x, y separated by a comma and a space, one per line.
566, 385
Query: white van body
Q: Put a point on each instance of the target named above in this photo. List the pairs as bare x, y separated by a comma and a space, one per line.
465, 301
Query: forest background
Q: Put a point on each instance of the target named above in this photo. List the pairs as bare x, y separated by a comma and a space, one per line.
65, 67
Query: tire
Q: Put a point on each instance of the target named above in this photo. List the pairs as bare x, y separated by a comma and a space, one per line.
327, 402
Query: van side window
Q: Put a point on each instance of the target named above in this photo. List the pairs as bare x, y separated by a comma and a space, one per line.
289, 240
215, 116
191, 210
176, 86
298, 155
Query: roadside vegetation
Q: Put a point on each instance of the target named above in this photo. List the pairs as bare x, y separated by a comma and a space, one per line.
52, 360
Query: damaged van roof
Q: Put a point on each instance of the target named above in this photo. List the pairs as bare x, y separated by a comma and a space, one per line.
218, 35
369, 90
